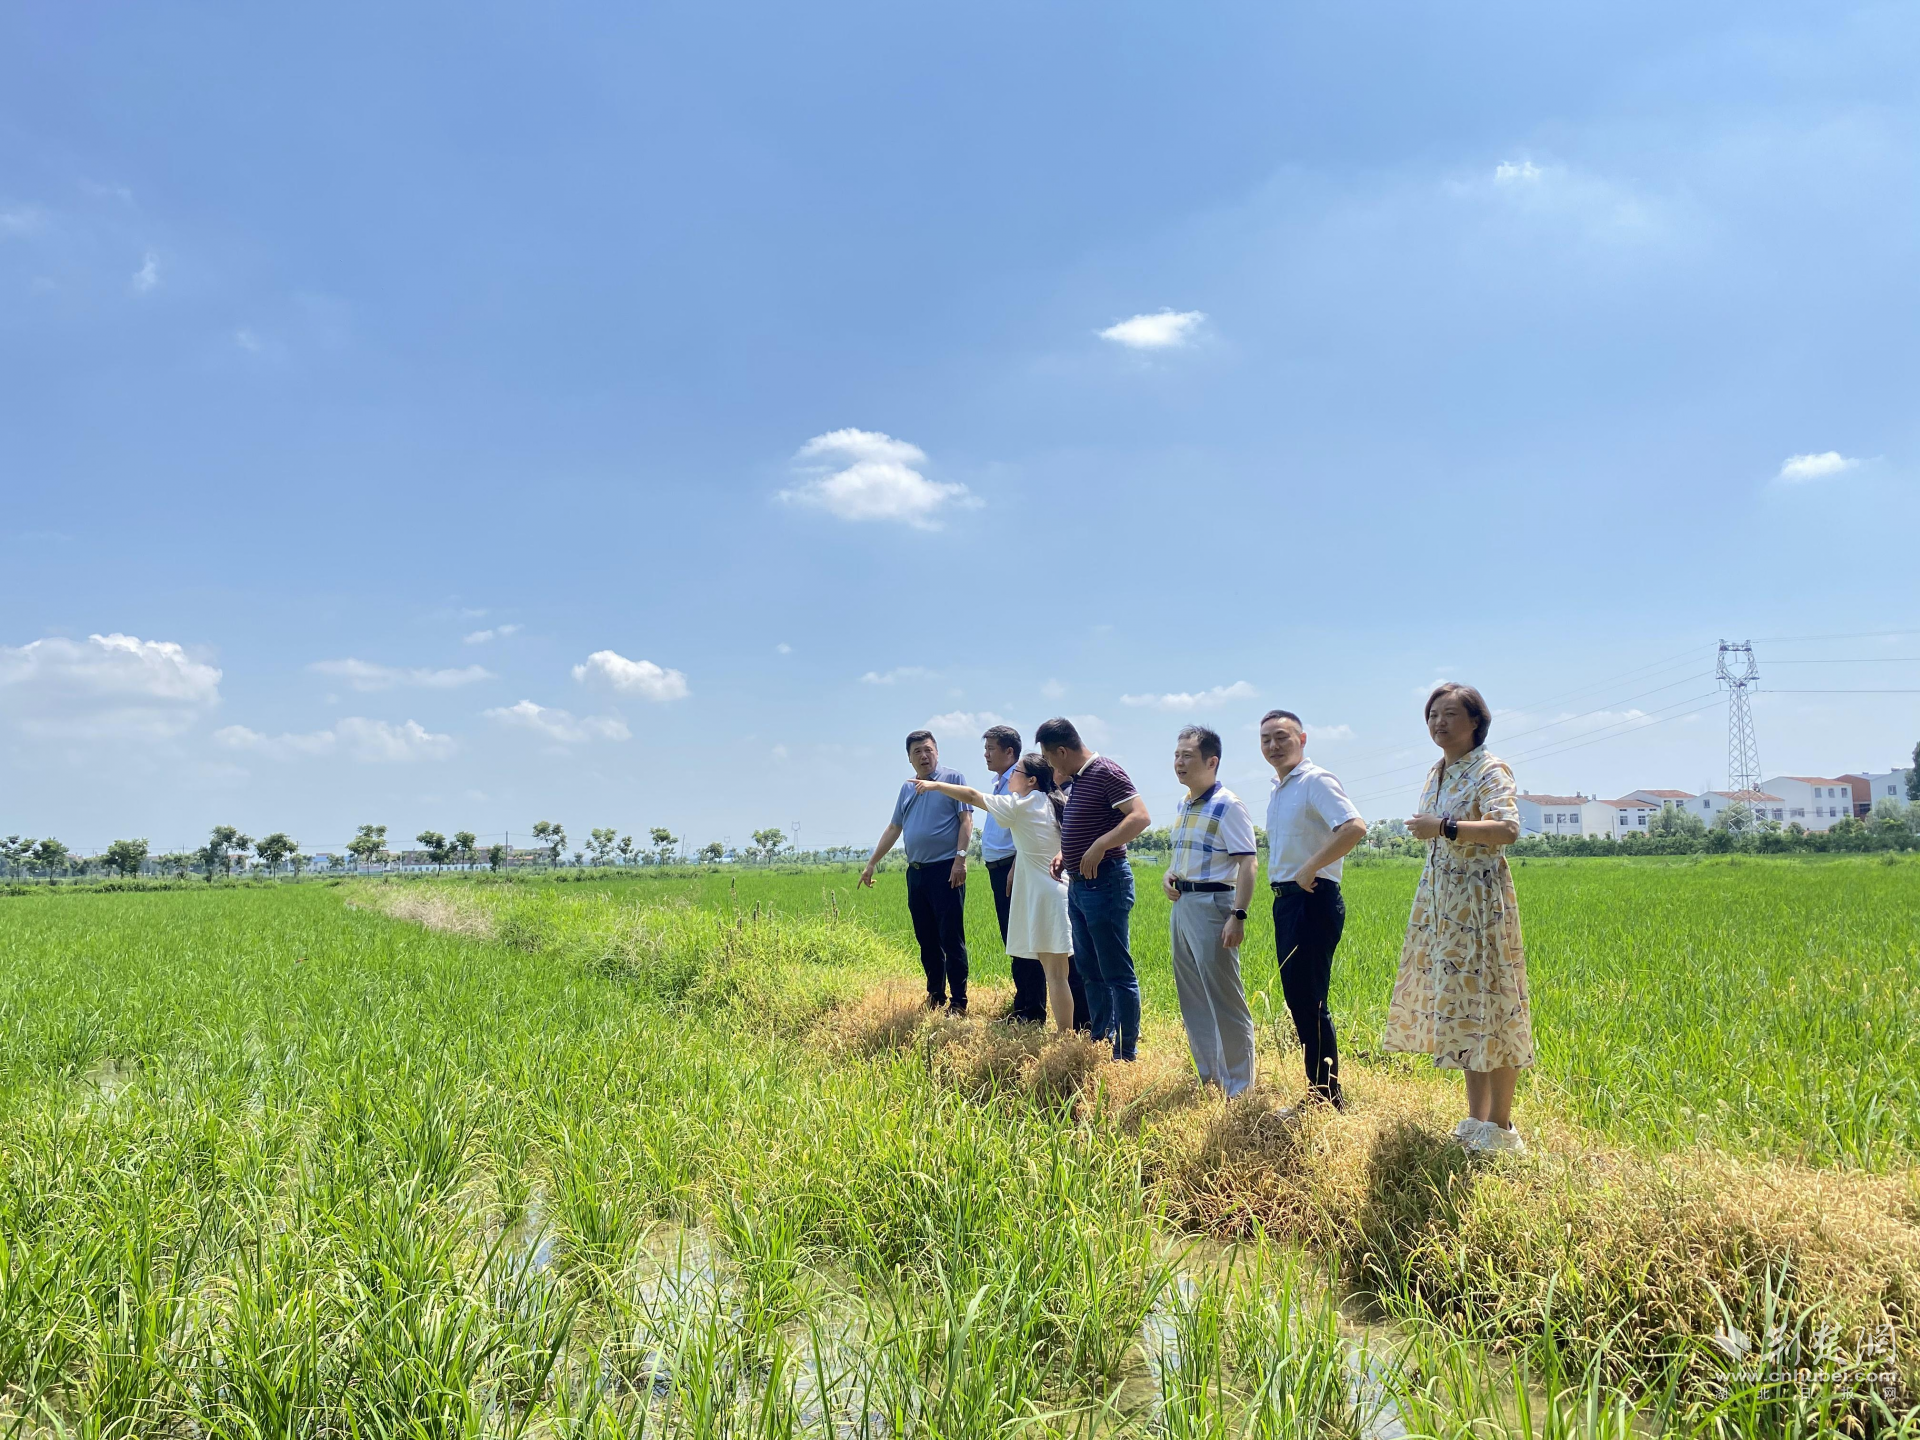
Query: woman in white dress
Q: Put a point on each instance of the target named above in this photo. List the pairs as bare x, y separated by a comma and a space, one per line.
1037, 922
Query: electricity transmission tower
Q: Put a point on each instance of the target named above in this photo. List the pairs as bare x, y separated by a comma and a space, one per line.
1739, 672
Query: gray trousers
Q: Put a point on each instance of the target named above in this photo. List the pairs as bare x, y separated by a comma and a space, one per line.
1213, 1006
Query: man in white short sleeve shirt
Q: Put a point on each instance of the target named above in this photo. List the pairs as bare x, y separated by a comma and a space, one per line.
1311, 825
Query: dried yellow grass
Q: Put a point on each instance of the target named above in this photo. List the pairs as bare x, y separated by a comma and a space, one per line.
1623, 1251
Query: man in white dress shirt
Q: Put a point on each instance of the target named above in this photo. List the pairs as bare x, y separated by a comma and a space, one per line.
1311, 825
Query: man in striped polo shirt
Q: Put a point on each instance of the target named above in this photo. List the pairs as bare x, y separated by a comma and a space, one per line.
1209, 879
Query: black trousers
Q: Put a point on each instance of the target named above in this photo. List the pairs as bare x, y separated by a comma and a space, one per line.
939, 912
1029, 978
1306, 931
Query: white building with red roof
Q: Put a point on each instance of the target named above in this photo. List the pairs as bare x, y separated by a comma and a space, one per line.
1560, 815
1814, 801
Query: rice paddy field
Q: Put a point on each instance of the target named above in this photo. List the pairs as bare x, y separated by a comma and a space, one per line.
678, 1153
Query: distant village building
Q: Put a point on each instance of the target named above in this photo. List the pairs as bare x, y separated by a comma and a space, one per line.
1870, 790
1813, 801
1553, 814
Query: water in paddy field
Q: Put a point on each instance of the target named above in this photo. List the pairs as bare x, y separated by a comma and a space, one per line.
108, 1076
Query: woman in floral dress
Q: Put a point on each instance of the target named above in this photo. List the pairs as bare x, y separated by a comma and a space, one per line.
1461, 995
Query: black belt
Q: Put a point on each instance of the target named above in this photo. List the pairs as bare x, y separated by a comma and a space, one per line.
1289, 887
931, 864
1202, 887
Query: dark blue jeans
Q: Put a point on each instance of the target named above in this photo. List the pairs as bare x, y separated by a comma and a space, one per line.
1099, 909
939, 911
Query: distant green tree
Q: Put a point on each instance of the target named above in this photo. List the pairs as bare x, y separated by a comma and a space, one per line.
1736, 819
125, 856
15, 850
553, 837
602, 845
241, 845
664, 842
625, 850
464, 842
49, 855
274, 850
1913, 775
1674, 823
216, 856
713, 852
369, 845
768, 842
435, 844
496, 857
179, 863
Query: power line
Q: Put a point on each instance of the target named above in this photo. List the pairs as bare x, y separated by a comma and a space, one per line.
1840, 692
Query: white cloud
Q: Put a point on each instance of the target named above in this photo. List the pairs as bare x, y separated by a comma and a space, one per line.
247, 340
1330, 733
1516, 172
1053, 690
280, 747
858, 445
963, 724
1093, 730
876, 480
377, 741
560, 725
107, 685
1798, 469
779, 752
481, 637
148, 275
632, 677
1165, 330
20, 220
783, 648
366, 676
370, 741
1200, 700
899, 672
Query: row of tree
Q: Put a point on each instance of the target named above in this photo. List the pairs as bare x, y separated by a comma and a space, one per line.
229, 851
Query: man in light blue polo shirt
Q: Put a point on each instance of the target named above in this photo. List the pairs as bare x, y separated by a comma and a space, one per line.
936, 831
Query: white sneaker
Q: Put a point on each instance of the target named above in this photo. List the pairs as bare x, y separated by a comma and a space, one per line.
1492, 1138
1468, 1131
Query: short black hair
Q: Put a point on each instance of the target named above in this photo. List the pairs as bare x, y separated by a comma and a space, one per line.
1003, 736
1207, 740
1471, 700
915, 737
1057, 733
1283, 715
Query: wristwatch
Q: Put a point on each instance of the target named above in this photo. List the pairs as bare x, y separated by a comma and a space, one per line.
1239, 914
1450, 828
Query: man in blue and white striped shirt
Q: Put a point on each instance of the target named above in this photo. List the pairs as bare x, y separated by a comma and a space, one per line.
1209, 879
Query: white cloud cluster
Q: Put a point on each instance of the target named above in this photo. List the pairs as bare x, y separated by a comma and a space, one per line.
866, 475
1798, 469
632, 677
148, 275
1516, 172
895, 675
366, 676
959, 725
1163, 330
372, 742
559, 725
1198, 700
105, 686
482, 637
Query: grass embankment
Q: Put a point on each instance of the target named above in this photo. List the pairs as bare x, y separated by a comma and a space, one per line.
309, 1194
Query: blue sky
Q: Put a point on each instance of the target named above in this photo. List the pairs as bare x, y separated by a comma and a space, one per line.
645, 416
